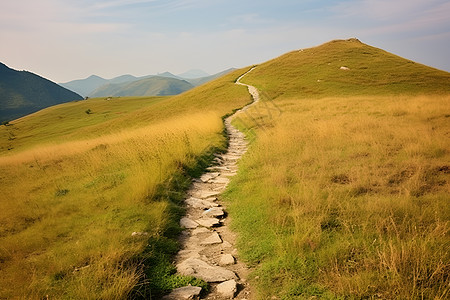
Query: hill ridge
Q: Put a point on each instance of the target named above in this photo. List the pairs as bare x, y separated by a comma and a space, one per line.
24, 92
347, 67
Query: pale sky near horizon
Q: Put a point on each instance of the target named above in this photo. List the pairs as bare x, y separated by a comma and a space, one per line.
63, 40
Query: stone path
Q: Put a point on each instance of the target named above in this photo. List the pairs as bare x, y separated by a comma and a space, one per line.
208, 250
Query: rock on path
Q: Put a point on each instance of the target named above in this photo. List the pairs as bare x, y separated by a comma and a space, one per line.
186, 292
208, 250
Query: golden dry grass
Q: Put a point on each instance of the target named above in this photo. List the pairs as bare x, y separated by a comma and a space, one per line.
64, 205
347, 197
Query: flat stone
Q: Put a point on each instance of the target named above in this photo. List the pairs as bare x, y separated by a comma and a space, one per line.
189, 253
188, 223
226, 259
230, 156
218, 168
214, 212
214, 238
205, 178
226, 245
208, 176
211, 199
184, 293
200, 203
200, 269
202, 194
227, 289
200, 230
208, 222
229, 174
220, 180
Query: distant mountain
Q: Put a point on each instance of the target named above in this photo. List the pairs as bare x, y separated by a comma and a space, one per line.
152, 86
84, 86
91, 85
123, 78
23, 92
202, 80
194, 73
168, 75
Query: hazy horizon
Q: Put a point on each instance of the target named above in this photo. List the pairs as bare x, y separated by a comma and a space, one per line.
65, 40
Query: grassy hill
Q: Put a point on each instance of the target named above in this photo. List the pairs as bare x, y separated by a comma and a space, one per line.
316, 72
23, 92
153, 86
344, 191
78, 179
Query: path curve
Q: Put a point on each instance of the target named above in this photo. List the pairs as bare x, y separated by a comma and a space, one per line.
207, 243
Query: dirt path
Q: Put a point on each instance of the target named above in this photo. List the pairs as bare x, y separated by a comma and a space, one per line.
208, 245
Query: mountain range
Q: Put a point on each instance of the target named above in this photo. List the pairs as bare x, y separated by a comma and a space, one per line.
23, 92
151, 85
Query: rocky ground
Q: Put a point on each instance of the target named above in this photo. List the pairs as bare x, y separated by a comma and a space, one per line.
208, 245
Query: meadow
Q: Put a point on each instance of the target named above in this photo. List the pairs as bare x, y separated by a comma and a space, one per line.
344, 191
78, 179
347, 198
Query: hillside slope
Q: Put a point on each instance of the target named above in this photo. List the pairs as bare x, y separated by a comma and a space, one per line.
316, 72
23, 92
153, 86
344, 191
76, 185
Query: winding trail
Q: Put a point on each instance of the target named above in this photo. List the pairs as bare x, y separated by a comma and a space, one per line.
207, 243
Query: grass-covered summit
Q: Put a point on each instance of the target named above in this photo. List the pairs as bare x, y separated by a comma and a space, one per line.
346, 68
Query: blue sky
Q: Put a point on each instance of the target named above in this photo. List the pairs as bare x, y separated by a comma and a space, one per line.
70, 39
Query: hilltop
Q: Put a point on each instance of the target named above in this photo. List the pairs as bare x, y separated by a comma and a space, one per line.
346, 68
23, 92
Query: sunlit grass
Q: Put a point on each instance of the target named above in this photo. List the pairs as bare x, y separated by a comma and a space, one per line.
347, 197
315, 73
75, 186
65, 205
344, 191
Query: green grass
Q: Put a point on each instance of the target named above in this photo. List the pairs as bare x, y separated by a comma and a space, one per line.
343, 193
65, 122
315, 72
75, 186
